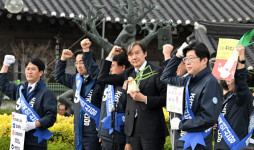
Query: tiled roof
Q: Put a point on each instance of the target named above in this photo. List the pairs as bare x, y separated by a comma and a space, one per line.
181, 12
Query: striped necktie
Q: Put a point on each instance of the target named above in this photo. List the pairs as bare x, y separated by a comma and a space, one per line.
138, 81
28, 90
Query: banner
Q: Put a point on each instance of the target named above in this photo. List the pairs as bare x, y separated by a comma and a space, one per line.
17, 133
175, 99
226, 59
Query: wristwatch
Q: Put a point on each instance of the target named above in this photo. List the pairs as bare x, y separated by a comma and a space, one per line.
241, 61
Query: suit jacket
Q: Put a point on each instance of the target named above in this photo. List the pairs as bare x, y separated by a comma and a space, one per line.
150, 121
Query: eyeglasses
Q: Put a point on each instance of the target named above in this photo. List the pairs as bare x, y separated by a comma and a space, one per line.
185, 60
78, 63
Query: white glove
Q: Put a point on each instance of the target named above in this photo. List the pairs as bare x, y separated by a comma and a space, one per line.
174, 123
29, 126
8, 60
180, 49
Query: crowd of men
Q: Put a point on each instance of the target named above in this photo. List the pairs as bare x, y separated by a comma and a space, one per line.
110, 115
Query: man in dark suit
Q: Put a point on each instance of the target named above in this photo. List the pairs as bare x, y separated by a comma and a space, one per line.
144, 118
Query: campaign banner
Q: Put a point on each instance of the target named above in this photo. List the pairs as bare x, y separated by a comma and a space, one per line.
17, 132
226, 59
175, 99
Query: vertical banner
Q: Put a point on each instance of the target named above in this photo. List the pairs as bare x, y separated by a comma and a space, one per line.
17, 131
226, 59
175, 99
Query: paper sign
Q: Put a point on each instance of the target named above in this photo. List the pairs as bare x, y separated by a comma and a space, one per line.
17, 133
175, 99
226, 59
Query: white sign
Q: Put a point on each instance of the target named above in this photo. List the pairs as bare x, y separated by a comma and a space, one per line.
17, 131
175, 99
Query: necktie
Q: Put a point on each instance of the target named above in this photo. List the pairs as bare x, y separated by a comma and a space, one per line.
138, 81
28, 90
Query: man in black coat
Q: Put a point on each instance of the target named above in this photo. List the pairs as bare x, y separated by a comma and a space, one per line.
236, 110
203, 97
113, 139
144, 118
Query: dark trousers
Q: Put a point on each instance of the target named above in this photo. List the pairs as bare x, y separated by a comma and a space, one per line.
91, 143
108, 145
139, 143
32, 147
143, 143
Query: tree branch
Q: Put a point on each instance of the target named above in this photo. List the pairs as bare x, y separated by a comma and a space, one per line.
152, 29
119, 9
143, 12
94, 35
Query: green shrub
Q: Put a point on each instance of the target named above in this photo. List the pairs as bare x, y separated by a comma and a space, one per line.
63, 137
6, 111
59, 146
5, 143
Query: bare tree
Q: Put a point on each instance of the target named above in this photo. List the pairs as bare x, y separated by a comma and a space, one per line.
44, 50
135, 13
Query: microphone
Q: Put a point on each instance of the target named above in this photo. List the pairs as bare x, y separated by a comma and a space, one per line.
113, 112
112, 117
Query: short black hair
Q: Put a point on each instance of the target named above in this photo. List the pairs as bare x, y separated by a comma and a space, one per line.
121, 60
37, 62
223, 84
62, 105
81, 52
200, 49
77, 53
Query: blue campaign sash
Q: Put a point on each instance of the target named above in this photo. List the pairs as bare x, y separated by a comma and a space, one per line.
228, 133
32, 116
109, 106
192, 138
87, 107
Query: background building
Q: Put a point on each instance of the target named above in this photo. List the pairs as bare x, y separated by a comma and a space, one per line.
44, 27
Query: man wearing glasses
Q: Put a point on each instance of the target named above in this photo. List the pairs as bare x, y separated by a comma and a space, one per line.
203, 97
87, 91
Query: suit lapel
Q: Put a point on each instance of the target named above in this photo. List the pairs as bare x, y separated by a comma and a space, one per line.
133, 73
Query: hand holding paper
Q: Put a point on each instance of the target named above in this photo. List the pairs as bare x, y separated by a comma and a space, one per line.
241, 51
174, 123
30, 126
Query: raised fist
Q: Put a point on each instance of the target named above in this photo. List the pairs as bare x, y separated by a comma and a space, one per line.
116, 50
167, 50
85, 44
8, 60
180, 49
66, 54
241, 50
